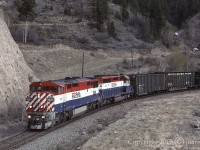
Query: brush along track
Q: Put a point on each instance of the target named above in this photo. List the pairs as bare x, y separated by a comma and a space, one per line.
28, 136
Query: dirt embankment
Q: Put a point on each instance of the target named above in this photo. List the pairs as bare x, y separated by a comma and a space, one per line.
59, 61
15, 76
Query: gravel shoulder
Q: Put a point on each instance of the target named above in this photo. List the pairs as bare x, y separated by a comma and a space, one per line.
161, 117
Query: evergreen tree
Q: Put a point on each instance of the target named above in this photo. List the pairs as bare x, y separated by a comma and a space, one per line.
124, 12
181, 13
111, 30
156, 15
165, 7
99, 15
180, 10
26, 9
134, 5
144, 7
100, 12
118, 2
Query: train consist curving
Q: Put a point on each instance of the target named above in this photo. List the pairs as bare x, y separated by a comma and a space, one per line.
55, 101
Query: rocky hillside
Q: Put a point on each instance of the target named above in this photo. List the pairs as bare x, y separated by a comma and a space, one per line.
74, 22
191, 30
126, 25
53, 25
15, 76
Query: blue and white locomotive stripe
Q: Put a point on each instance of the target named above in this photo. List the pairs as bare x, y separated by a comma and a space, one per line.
71, 100
104, 86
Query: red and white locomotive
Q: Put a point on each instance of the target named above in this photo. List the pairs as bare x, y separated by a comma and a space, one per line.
52, 102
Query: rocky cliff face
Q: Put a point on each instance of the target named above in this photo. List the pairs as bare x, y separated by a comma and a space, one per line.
15, 76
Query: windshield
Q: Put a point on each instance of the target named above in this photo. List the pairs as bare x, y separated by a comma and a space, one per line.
44, 89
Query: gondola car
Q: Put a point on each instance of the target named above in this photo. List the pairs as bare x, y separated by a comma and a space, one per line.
180, 80
197, 79
148, 83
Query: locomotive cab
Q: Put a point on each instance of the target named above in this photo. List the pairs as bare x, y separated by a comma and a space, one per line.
40, 105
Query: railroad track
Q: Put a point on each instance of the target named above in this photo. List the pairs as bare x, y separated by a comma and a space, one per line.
28, 136
15, 141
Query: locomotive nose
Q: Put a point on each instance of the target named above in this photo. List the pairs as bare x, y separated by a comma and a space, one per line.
39, 102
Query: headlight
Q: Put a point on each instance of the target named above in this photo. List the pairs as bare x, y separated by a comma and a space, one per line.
43, 117
50, 98
41, 107
29, 116
30, 106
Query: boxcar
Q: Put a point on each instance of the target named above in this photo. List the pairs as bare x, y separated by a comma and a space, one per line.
180, 80
148, 83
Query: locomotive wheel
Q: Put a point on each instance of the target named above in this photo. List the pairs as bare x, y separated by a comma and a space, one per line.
61, 118
65, 116
89, 106
127, 96
92, 106
112, 100
96, 106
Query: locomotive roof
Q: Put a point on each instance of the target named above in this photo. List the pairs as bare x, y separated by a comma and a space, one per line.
61, 82
106, 75
70, 81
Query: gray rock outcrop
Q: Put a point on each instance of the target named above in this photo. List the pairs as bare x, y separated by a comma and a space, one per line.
15, 76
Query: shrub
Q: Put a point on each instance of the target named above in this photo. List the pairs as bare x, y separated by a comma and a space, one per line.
101, 37
167, 36
125, 63
51, 8
177, 61
111, 30
83, 40
17, 33
33, 36
151, 61
118, 16
148, 61
67, 11
92, 54
141, 59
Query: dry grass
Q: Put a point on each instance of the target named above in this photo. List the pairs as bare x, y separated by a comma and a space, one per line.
59, 61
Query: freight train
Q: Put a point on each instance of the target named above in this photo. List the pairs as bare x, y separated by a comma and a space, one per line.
52, 102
